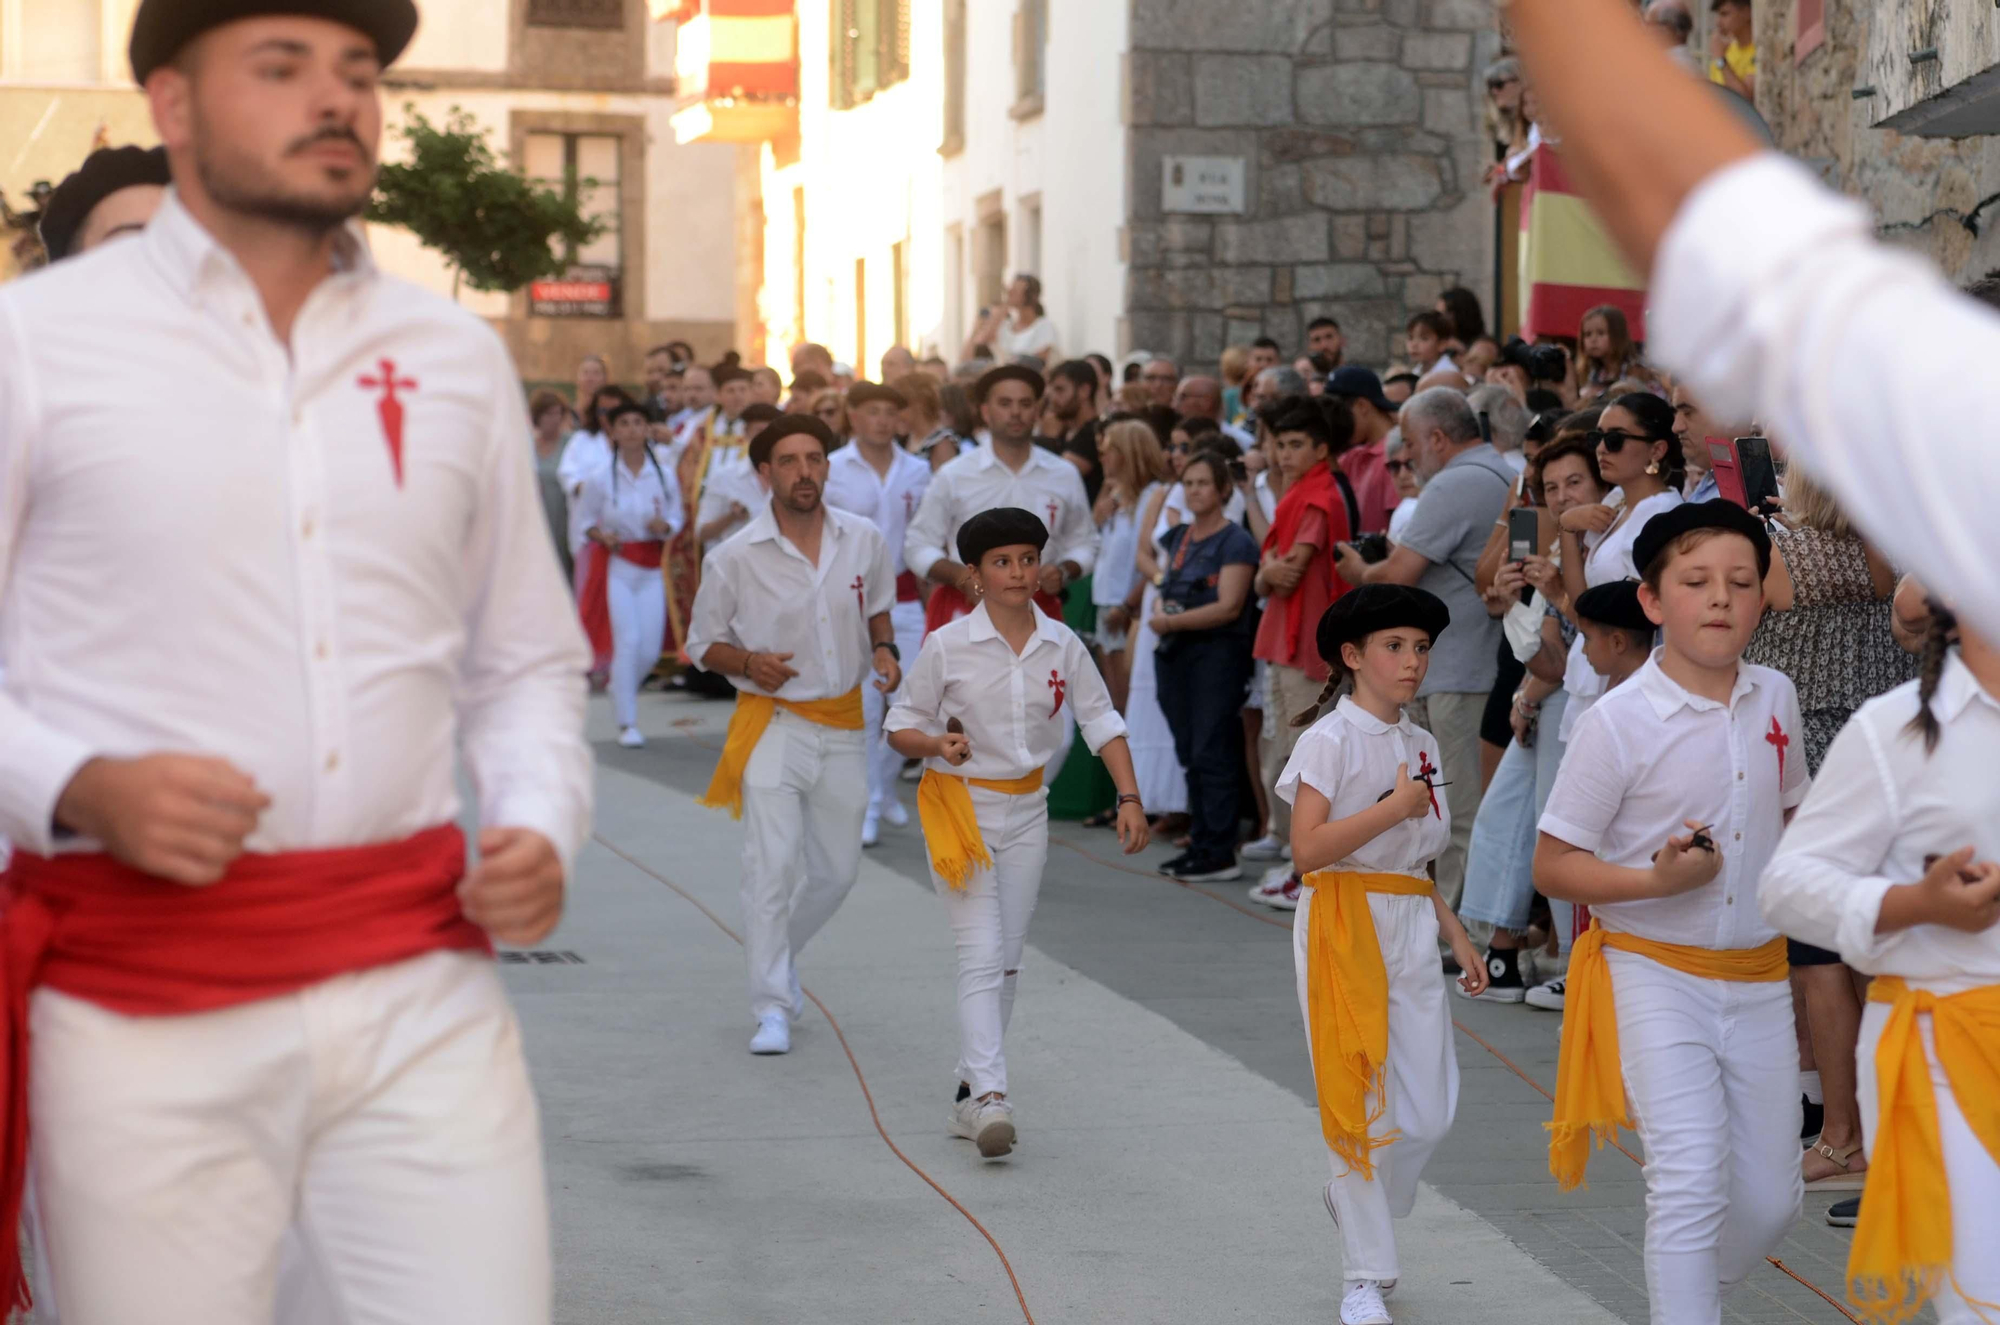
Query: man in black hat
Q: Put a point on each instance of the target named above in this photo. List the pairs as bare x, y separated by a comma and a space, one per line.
287, 1008
1366, 462
114, 192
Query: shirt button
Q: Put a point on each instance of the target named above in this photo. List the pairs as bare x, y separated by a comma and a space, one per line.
333, 761
321, 651
306, 527
1739, 776
1739, 837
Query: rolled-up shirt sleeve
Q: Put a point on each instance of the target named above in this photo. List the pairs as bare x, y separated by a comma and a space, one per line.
1589, 787
923, 541
1824, 885
1774, 300
1089, 697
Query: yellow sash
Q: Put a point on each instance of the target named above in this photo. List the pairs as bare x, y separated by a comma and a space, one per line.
746, 727
1903, 1244
1347, 1001
951, 829
1590, 1083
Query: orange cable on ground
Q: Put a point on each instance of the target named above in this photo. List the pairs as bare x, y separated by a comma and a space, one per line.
852, 1062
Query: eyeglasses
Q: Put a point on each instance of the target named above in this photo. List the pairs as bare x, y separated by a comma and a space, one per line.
1613, 439
1495, 84
1395, 466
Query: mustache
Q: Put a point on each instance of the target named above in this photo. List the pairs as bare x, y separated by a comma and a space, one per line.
332, 133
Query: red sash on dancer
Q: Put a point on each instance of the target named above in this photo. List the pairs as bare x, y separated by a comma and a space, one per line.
909, 588
595, 604
142, 946
948, 604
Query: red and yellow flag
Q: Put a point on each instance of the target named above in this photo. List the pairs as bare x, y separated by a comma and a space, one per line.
1569, 264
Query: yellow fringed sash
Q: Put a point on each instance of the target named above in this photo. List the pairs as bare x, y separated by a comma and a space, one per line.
1347, 1001
1590, 1082
1903, 1243
746, 727
951, 829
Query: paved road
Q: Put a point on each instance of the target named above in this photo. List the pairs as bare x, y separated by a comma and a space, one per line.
1170, 1162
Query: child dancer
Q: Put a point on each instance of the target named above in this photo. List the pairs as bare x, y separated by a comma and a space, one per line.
983, 706
1890, 862
1617, 633
1673, 792
1367, 823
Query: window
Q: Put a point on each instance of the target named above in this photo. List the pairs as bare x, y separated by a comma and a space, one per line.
585, 167
899, 278
954, 283
861, 316
989, 253
954, 78
870, 48
577, 14
1811, 17
1031, 46
54, 41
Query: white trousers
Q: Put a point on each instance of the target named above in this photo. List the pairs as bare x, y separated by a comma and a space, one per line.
1712, 1074
637, 598
377, 1129
990, 923
884, 764
804, 792
1420, 1086
1970, 1172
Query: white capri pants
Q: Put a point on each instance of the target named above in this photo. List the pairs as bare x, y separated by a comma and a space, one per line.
379, 1126
884, 764
1712, 1073
804, 792
1420, 1085
637, 598
990, 922
1970, 1172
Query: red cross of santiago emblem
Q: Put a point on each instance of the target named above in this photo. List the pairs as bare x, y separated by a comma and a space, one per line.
390, 409
1425, 772
1777, 739
859, 601
1057, 684
1053, 508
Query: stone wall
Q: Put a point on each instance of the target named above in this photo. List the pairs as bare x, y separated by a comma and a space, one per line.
1919, 188
1359, 123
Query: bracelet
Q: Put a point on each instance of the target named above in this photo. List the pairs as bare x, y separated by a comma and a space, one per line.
1521, 703
1130, 798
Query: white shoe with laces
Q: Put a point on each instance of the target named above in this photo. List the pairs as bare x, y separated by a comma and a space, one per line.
1548, 997
988, 1123
1266, 847
1362, 1304
871, 829
1388, 1286
893, 813
774, 1035
632, 738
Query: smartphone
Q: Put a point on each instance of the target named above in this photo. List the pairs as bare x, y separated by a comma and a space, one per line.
1524, 534
1743, 470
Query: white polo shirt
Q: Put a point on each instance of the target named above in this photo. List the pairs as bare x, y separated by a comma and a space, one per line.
758, 592
1649, 756
1011, 705
977, 480
890, 500
1350, 756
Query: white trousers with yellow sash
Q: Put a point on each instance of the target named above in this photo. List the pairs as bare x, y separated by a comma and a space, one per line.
1711, 1070
1420, 1085
804, 792
1970, 1172
989, 920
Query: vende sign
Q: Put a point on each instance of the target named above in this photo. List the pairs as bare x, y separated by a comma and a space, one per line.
579, 292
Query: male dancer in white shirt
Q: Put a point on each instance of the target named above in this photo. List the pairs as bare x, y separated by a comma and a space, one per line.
880, 481
241, 926
795, 611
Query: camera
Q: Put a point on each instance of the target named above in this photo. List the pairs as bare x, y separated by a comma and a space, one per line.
1372, 547
1542, 363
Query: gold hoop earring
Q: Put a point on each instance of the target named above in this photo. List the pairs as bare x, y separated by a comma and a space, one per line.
1653, 468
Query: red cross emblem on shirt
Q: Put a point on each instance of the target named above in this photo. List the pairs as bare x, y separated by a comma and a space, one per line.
1776, 738
859, 600
1053, 508
909, 504
390, 409
1426, 770
1057, 684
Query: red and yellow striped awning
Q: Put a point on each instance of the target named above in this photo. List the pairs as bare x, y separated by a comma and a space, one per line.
1569, 264
736, 48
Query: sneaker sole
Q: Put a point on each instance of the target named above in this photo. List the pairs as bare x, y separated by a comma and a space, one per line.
1210, 876
995, 1139
1543, 1006
1491, 995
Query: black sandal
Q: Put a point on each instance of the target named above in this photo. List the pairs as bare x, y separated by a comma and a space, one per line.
1102, 819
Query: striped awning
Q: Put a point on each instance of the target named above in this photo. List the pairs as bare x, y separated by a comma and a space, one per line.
1569, 264
737, 48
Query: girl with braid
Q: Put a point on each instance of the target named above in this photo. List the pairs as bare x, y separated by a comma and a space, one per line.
1890, 862
1367, 827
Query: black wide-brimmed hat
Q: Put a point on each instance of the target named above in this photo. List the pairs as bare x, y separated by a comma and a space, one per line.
163, 27
1003, 526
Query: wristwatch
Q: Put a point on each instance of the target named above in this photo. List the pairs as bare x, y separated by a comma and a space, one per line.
894, 652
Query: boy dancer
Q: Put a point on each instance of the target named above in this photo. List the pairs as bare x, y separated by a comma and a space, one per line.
983, 706
1617, 633
1673, 793
794, 610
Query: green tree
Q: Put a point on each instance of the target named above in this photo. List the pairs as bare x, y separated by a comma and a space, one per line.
498, 231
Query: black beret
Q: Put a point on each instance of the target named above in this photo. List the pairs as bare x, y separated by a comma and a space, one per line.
790, 425
102, 174
1688, 517
163, 27
621, 409
1011, 372
1615, 604
1373, 607
1003, 526
865, 393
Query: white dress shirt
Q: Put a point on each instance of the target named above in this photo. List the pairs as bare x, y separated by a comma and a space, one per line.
1607, 557
1879, 807
584, 455
758, 592
1350, 756
976, 481
1773, 297
1011, 705
212, 551
1649, 756
625, 504
731, 480
890, 500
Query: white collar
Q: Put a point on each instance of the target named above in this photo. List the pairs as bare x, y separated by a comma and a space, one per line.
982, 628
763, 526
1668, 696
1365, 721
988, 457
190, 257
1958, 688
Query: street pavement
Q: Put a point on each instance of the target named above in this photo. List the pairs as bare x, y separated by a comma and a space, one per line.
1169, 1167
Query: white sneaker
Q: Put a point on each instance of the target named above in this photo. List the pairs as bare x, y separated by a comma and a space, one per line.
1388, 1286
1548, 997
631, 738
988, 1124
893, 813
1362, 1304
871, 829
1266, 847
798, 996
1279, 890
774, 1035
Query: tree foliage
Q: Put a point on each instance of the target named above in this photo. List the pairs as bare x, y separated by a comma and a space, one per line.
498, 231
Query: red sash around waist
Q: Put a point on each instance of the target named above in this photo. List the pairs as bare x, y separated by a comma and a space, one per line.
142, 946
908, 588
646, 556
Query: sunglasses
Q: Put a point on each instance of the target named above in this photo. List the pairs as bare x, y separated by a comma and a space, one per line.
1395, 466
1613, 439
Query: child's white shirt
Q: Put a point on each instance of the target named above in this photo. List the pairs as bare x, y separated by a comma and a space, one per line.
1350, 756
1649, 756
1880, 806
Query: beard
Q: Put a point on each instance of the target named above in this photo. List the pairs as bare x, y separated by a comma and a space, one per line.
245, 186
802, 498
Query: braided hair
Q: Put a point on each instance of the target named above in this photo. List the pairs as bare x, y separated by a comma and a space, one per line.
1339, 681
1937, 646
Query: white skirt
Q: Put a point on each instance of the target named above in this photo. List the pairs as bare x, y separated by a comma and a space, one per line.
1162, 780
